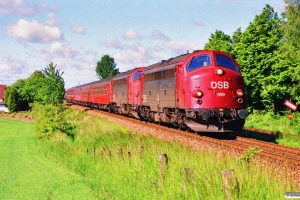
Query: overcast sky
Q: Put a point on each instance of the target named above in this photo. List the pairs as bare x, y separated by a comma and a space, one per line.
74, 35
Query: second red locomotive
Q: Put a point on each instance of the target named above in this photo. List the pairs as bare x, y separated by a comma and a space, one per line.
201, 91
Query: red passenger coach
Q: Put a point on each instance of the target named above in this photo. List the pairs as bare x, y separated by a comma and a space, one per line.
101, 93
70, 94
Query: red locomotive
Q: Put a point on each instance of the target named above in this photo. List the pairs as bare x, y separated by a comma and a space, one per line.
201, 91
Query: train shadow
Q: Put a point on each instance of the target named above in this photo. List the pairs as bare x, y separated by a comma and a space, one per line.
246, 134
257, 136
219, 136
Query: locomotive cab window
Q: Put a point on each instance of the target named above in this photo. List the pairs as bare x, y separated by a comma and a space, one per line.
227, 62
136, 76
198, 62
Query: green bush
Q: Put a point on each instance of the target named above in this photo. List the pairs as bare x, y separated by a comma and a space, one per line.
51, 119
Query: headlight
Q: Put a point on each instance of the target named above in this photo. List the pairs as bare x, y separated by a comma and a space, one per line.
239, 92
220, 71
197, 93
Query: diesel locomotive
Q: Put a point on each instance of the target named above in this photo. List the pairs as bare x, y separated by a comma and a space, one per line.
201, 91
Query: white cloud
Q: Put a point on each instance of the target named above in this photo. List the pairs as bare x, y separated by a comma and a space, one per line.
278, 7
91, 52
180, 47
52, 20
16, 7
63, 50
34, 32
137, 55
78, 29
12, 69
131, 34
156, 34
198, 23
45, 55
115, 43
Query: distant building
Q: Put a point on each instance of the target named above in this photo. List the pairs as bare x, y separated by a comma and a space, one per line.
3, 107
2, 89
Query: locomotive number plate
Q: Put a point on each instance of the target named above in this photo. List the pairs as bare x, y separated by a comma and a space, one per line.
220, 94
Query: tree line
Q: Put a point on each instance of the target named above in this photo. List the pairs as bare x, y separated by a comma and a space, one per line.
268, 52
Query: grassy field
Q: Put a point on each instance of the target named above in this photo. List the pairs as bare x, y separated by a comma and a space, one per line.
63, 167
26, 173
137, 177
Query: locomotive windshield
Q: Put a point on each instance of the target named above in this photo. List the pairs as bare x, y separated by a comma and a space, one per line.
136, 76
227, 62
199, 61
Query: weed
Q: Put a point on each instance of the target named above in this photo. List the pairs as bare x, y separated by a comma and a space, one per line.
250, 153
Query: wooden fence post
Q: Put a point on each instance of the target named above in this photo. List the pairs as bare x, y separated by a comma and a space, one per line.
140, 152
230, 184
108, 154
187, 179
163, 164
129, 158
120, 154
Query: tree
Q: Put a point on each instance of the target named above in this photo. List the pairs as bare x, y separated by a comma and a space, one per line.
53, 89
219, 41
33, 87
236, 39
10, 98
106, 67
257, 53
291, 45
13, 96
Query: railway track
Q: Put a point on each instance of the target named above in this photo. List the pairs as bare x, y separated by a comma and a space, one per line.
240, 145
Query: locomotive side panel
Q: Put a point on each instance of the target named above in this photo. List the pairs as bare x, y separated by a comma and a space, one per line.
159, 87
167, 89
120, 91
150, 92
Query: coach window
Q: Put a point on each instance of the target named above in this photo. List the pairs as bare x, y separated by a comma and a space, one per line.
198, 62
136, 76
225, 61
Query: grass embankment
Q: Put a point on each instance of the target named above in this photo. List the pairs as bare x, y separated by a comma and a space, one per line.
62, 165
26, 173
135, 177
277, 123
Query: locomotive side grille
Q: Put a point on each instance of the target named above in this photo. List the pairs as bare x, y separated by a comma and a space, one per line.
159, 75
120, 82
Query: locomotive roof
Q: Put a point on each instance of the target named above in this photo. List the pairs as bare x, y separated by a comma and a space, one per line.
166, 64
125, 74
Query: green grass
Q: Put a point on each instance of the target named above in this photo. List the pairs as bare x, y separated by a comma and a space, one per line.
138, 178
274, 122
26, 173
59, 167
277, 123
